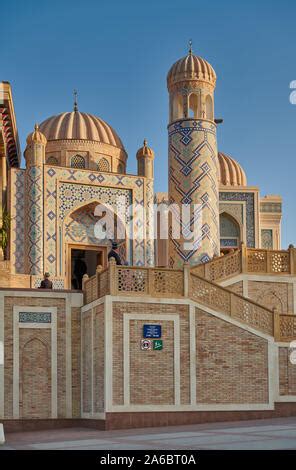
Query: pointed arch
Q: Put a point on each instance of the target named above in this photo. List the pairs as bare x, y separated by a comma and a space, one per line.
230, 232
77, 161
177, 111
209, 108
193, 106
52, 161
103, 165
81, 237
270, 299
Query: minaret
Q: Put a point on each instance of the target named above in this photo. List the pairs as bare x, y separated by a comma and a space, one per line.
193, 162
145, 159
35, 159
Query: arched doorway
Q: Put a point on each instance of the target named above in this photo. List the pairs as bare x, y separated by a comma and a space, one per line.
84, 250
230, 233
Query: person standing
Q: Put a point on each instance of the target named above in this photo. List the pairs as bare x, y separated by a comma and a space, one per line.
113, 253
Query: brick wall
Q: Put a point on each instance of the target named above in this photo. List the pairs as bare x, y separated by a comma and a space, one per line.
87, 361
42, 342
136, 355
151, 372
61, 353
287, 373
231, 363
76, 362
99, 359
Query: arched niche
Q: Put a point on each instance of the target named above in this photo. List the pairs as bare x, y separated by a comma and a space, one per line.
52, 161
77, 161
193, 106
103, 165
209, 108
271, 300
84, 251
177, 107
230, 232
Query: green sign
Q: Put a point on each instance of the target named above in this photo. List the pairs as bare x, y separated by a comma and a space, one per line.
157, 344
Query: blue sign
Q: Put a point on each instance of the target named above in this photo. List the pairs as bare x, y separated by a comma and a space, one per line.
152, 331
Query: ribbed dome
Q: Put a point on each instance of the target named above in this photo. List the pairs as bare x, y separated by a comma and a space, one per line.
189, 68
79, 126
36, 136
145, 151
230, 171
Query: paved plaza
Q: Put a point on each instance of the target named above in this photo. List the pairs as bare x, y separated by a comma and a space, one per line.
273, 434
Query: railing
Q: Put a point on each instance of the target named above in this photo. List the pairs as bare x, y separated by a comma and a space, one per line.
248, 260
96, 286
116, 280
270, 261
229, 303
285, 327
220, 268
158, 282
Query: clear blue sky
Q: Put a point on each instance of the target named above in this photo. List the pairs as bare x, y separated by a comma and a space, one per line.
117, 54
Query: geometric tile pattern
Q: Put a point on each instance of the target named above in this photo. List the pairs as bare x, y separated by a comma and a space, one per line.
34, 219
35, 317
17, 213
193, 182
149, 223
66, 189
248, 198
266, 239
74, 195
79, 228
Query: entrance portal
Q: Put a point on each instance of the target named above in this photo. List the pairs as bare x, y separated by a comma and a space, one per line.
85, 261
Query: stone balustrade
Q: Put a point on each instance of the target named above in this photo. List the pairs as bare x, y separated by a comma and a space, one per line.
131, 280
248, 260
224, 301
159, 282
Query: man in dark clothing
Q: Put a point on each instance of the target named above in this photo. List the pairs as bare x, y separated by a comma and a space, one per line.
46, 283
80, 269
113, 253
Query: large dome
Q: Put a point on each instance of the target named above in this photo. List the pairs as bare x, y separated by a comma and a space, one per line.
79, 126
190, 68
230, 171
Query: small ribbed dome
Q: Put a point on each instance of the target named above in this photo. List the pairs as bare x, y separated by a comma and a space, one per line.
36, 136
145, 151
190, 68
230, 171
79, 126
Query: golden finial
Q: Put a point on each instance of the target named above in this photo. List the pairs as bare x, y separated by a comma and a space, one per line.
75, 100
190, 46
36, 127
145, 142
